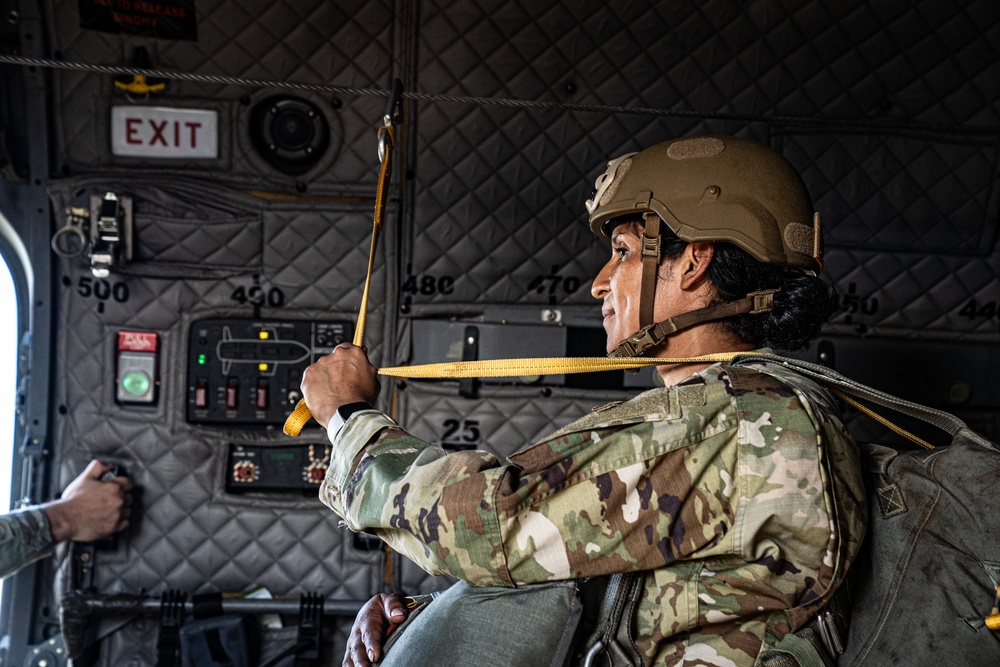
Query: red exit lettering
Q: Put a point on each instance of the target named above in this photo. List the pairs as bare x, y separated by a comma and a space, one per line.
167, 133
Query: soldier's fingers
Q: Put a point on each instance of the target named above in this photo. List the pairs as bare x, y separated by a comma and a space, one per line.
394, 608
356, 656
95, 469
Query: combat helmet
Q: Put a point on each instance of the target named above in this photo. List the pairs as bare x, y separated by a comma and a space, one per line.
708, 188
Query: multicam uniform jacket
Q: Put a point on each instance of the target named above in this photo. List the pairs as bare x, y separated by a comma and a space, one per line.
737, 491
25, 536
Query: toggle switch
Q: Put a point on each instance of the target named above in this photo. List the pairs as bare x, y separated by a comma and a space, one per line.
232, 393
136, 380
201, 394
262, 395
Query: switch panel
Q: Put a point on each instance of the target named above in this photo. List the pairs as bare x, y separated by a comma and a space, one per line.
298, 467
245, 372
136, 378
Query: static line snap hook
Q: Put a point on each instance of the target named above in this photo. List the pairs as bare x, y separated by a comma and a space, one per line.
385, 142
394, 107
393, 117
595, 650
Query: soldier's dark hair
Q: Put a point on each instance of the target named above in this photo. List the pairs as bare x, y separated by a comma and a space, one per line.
802, 305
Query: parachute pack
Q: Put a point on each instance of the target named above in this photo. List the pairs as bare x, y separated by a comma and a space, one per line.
926, 590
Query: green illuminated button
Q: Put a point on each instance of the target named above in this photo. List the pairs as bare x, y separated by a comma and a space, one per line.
136, 383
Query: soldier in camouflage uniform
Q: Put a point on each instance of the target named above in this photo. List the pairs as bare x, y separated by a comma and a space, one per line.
90, 508
734, 489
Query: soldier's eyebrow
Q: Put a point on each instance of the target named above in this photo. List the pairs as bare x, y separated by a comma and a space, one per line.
617, 235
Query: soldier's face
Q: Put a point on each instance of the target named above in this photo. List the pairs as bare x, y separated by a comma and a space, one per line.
618, 285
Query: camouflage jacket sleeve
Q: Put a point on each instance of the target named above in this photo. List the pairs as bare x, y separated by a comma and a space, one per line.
25, 536
624, 488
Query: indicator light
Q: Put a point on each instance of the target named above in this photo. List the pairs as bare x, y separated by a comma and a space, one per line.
202, 359
264, 335
262, 367
135, 383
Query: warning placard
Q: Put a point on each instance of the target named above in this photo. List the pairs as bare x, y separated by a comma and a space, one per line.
166, 19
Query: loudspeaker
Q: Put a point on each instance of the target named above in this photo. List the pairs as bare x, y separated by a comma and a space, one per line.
290, 133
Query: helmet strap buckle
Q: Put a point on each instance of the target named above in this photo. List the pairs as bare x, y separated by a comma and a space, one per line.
650, 261
651, 236
650, 247
644, 339
763, 301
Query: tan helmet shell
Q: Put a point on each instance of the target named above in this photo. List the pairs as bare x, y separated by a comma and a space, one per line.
716, 188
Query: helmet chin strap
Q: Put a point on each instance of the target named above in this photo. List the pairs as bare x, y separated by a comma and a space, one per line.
650, 263
651, 335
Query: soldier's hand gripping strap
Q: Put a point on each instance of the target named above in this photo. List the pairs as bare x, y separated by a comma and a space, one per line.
651, 335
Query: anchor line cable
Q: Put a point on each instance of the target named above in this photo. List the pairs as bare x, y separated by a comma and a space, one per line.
223, 79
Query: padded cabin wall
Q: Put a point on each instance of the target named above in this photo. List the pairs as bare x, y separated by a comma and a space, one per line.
191, 533
202, 243
486, 226
333, 43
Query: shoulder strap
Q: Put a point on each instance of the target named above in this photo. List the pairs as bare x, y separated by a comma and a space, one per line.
939, 418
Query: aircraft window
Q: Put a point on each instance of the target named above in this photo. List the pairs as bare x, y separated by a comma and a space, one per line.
8, 377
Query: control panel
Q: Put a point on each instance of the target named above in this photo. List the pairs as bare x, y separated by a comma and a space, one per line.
298, 467
244, 372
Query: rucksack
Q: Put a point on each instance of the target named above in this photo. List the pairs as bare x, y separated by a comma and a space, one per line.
927, 588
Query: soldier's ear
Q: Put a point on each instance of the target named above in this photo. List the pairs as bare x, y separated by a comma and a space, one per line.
694, 261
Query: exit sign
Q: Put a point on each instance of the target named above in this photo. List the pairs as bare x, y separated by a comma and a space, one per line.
164, 132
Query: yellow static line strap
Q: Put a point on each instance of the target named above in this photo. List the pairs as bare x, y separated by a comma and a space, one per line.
501, 368
993, 622
883, 421
386, 142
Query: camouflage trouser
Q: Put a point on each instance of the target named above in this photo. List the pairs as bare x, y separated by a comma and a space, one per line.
815, 644
798, 649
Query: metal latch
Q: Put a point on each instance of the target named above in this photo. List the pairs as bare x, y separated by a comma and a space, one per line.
110, 233
105, 229
470, 352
